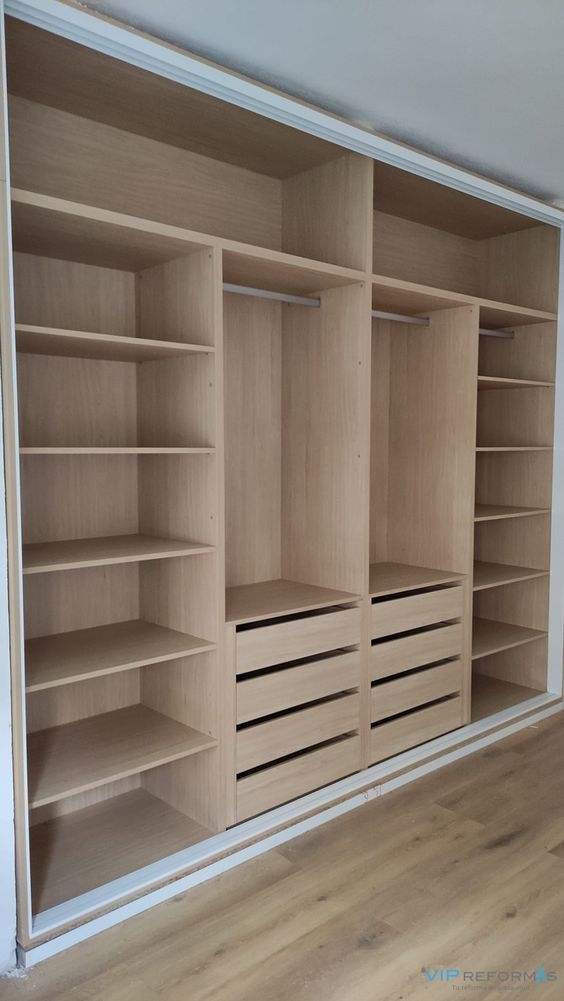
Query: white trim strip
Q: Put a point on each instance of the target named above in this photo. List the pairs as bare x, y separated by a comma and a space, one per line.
94, 31
36, 954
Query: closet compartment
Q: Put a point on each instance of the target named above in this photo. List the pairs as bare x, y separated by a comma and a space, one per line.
297, 637
413, 728
430, 236
295, 491
205, 166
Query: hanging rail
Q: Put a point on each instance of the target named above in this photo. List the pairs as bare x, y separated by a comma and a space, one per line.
377, 314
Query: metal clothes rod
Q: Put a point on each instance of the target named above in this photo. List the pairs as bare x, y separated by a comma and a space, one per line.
377, 314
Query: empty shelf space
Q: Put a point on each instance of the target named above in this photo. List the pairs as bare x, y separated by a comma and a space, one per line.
488, 575
80, 851
69, 759
497, 382
91, 653
389, 578
489, 636
397, 295
55, 227
275, 271
109, 347
491, 695
44, 557
102, 450
271, 598
492, 512
514, 448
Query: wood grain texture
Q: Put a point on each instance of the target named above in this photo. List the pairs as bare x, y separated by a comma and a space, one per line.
42, 340
274, 691
326, 212
407, 652
325, 482
293, 639
253, 439
398, 615
80, 756
401, 694
523, 267
490, 637
397, 735
67, 555
272, 598
76, 158
390, 578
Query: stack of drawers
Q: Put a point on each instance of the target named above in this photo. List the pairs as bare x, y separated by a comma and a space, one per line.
415, 669
297, 706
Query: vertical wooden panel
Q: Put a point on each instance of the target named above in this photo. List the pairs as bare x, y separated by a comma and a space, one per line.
382, 333
252, 438
327, 212
432, 441
174, 300
325, 437
522, 267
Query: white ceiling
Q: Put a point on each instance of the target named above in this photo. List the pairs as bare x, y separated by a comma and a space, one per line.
479, 82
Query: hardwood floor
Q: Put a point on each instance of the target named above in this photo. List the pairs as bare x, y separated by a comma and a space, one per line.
462, 869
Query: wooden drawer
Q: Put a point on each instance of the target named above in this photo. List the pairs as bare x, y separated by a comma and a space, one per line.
272, 786
396, 656
401, 614
388, 739
263, 742
401, 694
291, 640
295, 685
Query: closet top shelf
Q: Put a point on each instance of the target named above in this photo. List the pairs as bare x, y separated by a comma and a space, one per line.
270, 599
395, 295
498, 382
31, 339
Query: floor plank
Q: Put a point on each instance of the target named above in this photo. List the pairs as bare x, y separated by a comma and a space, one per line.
463, 868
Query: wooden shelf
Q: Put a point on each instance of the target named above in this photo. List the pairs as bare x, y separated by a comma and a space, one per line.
91, 450
66, 760
390, 578
278, 272
70, 231
488, 575
271, 598
490, 637
491, 695
110, 347
80, 851
496, 382
494, 512
44, 557
396, 295
514, 448
66, 658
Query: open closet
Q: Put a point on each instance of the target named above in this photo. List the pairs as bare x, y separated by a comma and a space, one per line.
280, 420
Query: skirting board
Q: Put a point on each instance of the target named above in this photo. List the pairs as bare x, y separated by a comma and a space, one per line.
285, 825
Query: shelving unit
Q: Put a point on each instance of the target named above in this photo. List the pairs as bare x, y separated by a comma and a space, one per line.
257, 521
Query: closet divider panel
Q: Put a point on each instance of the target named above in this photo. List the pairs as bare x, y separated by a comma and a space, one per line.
325, 434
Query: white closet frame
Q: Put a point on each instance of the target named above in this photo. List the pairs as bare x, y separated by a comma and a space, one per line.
257, 836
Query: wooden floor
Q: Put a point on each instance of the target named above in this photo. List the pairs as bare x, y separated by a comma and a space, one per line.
462, 869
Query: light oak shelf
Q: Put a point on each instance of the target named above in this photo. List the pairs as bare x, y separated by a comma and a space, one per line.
492, 695
75, 656
497, 382
275, 271
397, 295
80, 851
103, 450
272, 598
70, 759
45, 557
489, 637
109, 347
514, 448
495, 512
488, 575
390, 578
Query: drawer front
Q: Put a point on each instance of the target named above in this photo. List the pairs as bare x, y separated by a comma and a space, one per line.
401, 614
282, 641
401, 694
396, 656
272, 786
296, 685
263, 742
399, 735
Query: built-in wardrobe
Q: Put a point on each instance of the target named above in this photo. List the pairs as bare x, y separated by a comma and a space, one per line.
279, 424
